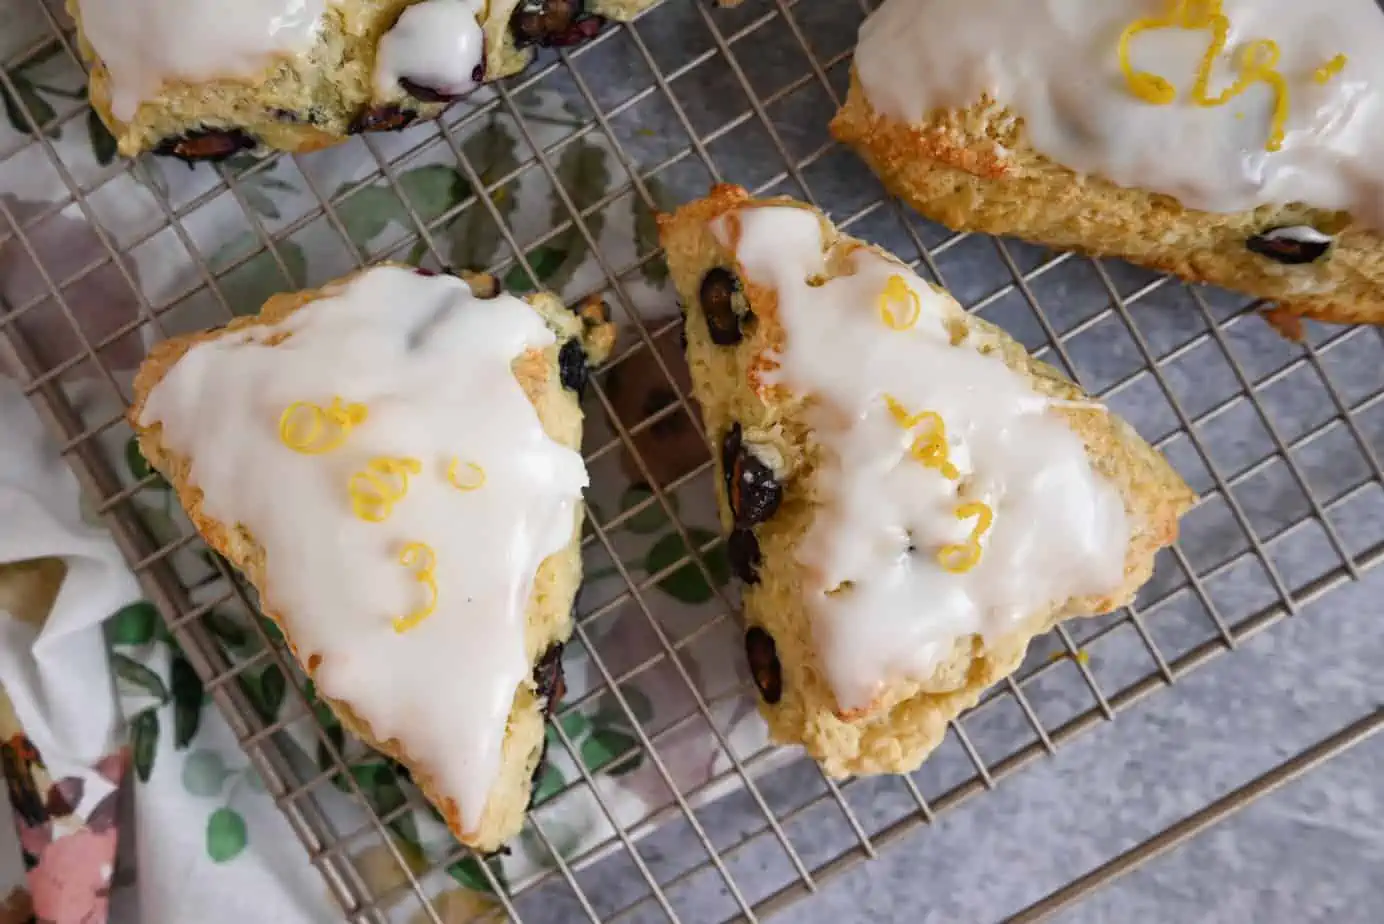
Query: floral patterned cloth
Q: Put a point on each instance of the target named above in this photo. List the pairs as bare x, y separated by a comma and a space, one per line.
203, 840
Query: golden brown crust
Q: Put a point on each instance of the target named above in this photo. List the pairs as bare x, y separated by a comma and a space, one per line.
975, 170
909, 719
555, 585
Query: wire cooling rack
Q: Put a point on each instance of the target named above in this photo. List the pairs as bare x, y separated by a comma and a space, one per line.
1281, 441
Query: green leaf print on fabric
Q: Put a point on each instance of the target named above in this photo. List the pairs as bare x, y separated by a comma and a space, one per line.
611, 751
494, 153
432, 190
652, 518
687, 583
187, 701
144, 742
138, 676
134, 625
544, 260
103, 146
140, 468
227, 630
38, 107
266, 691
646, 230
368, 211
583, 173
610, 712
226, 835
271, 629
550, 783
467, 872
250, 284
204, 773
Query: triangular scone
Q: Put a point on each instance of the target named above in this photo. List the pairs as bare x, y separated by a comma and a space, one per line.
870, 429
393, 461
1090, 125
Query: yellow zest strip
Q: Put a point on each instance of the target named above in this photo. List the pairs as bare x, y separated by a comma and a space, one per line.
930, 448
899, 305
958, 559
1330, 69
471, 485
419, 556
1150, 88
375, 489
1219, 25
1258, 64
312, 429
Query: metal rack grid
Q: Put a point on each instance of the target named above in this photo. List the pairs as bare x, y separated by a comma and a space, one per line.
1161, 364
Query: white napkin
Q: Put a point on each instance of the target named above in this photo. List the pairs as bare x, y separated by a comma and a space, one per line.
57, 676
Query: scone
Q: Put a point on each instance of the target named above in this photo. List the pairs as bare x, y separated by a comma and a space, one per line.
1234, 142
393, 463
201, 80
910, 498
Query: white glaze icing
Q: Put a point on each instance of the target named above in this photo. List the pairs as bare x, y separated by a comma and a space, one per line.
147, 43
1055, 63
1060, 529
432, 365
1299, 234
436, 43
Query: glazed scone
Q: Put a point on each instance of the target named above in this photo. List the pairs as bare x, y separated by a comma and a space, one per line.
202, 80
910, 498
393, 462
1239, 143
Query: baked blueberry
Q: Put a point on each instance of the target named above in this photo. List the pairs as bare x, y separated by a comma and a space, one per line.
547, 677
571, 365
207, 145
752, 490
1291, 246
742, 548
762, 654
552, 23
388, 118
723, 306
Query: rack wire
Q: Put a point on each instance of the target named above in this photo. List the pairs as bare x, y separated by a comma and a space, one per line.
1282, 442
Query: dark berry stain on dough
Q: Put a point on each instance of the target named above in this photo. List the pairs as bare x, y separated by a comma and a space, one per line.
1291, 246
742, 548
723, 306
207, 145
583, 30
552, 23
390, 118
552, 686
424, 94
764, 664
547, 677
571, 365
751, 488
